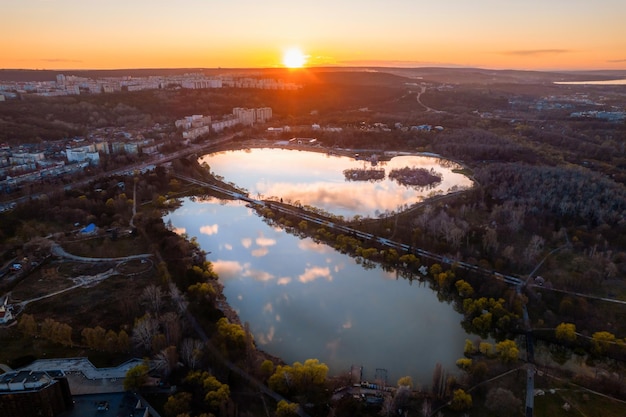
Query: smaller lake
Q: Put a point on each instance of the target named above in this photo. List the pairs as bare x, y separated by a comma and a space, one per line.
318, 179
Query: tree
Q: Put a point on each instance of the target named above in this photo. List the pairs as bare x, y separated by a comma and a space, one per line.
502, 401
464, 288
566, 332
136, 377
267, 368
486, 349
166, 360
507, 351
464, 363
405, 381
177, 404
144, 330
153, 297
601, 341
461, 400
27, 325
190, 352
232, 338
286, 409
469, 349
216, 394
300, 379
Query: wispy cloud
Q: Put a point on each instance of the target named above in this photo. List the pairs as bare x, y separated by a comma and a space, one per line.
394, 63
60, 60
536, 52
616, 60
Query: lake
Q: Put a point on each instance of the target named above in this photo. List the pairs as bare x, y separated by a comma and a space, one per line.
318, 180
304, 300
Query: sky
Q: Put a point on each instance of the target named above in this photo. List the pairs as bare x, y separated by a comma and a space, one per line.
503, 34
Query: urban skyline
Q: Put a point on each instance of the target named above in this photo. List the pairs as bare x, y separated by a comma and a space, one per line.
71, 34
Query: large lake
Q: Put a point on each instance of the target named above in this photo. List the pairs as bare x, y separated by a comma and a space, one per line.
318, 180
304, 300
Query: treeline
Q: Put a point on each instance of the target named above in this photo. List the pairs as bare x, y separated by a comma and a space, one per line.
570, 193
96, 338
477, 145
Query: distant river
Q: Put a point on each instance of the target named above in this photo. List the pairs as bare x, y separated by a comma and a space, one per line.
305, 300
318, 180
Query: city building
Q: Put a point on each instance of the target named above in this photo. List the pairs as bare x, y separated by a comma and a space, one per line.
34, 394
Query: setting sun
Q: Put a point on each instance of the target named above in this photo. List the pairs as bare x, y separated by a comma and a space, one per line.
294, 58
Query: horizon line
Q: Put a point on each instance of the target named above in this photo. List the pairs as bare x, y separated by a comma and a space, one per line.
332, 66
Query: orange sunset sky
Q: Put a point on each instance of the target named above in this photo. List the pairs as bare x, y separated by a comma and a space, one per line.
104, 34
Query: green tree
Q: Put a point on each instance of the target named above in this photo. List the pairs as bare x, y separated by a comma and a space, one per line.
486, 349
507, 351
566, 332
461, 400
136, 377
464, 288
177, 404
267, 368
470, 348
601, 341
464, 363
231, 338
215, 393
286, 409
300, 379
405, 381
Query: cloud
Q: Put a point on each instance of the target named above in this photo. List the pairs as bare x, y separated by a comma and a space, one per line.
264, 339
283, 281
268, 308
257, 275
264, 241
209, 230
347, 324
260, 252
179, 230
536, 52
616, 60
311, 274
394, 63
228, 246
246, 242
310, 245
228, 269
60, 60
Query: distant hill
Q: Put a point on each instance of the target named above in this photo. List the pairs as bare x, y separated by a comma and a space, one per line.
344, 75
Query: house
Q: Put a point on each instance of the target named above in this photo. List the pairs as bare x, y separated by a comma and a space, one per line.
6, 312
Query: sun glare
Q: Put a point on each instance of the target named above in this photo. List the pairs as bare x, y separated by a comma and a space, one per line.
294, 58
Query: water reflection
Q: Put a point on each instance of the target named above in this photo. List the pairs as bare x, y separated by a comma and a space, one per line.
318, 180
305, 300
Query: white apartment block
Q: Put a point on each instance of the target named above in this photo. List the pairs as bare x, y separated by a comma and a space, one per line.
202, 83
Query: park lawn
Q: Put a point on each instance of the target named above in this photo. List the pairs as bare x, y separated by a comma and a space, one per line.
582, 402
105, 247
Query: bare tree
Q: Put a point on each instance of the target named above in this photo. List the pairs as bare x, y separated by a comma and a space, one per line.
153, 296
144, 331
190, 352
